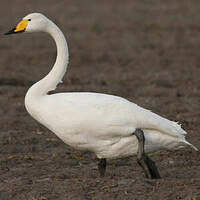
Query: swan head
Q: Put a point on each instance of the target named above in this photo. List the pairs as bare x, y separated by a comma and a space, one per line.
34, 22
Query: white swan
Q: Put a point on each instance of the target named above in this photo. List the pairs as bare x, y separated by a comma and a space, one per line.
109, 126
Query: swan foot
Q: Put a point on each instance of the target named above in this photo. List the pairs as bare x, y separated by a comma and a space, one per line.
102, 167
148, 165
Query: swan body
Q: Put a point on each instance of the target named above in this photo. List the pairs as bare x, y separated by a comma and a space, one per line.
101, 123
104, 123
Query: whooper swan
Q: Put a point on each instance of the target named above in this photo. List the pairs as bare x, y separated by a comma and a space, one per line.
109, 126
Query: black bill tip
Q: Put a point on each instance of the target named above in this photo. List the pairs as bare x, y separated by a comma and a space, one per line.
13, 31
10, 32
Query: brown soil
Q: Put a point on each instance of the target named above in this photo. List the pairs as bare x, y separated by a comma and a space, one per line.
145, 51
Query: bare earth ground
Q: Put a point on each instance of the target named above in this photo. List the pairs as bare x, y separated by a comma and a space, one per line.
145, 51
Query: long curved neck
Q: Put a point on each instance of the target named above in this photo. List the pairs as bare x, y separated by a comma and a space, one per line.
51, 80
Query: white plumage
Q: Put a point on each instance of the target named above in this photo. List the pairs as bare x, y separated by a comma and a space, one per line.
101, 123
104, 124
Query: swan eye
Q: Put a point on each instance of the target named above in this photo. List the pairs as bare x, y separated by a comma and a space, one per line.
29, 19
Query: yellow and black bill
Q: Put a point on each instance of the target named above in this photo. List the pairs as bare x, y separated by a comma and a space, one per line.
20, 28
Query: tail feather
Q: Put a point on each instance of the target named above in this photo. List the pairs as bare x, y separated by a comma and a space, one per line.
191, 145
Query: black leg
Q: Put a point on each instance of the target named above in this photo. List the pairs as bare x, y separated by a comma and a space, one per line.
143, 160
102, 167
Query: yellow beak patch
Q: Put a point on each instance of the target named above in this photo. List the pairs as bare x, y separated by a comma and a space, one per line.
21, 26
